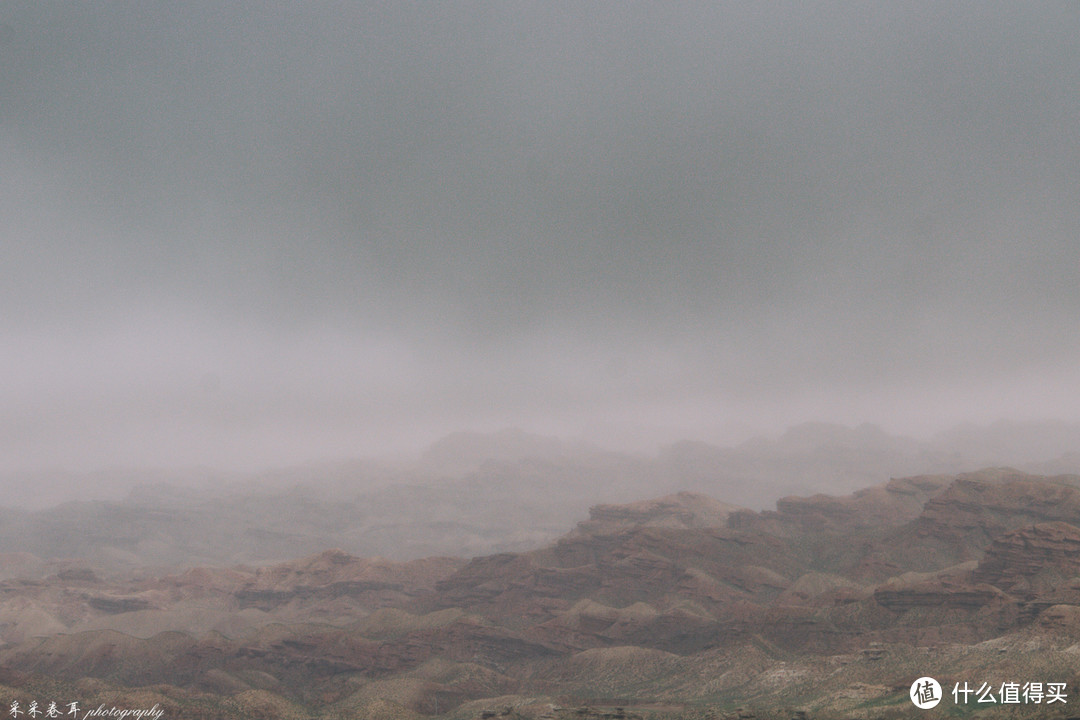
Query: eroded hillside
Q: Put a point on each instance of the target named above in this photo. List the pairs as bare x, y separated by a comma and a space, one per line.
682, 606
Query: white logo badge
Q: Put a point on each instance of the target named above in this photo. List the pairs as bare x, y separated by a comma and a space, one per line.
925, 693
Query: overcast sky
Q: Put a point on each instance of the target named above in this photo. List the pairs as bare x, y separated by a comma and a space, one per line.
241, 235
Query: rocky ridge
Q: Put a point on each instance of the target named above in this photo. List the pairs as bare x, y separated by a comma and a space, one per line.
681, 600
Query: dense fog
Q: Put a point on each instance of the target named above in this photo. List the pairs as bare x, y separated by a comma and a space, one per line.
245, 236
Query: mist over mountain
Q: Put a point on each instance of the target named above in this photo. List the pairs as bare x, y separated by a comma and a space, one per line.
480, 493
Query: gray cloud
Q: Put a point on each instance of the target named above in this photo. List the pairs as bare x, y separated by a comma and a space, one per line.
369, 221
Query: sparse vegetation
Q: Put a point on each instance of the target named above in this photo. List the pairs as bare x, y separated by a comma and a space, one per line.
673, 608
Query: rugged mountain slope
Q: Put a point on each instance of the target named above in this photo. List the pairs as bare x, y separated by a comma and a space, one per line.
331, 587
681, 605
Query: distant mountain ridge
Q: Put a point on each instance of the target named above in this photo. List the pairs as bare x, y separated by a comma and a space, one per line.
475, 494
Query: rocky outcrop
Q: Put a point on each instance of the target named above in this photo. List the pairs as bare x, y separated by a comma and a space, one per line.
938, 593
335, 574
681, 510
890, 504
978, 507
114, 604
959, 523
887, 505
1031, 560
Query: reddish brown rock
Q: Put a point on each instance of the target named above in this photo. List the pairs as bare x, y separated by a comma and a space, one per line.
938, 593
1030, 560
